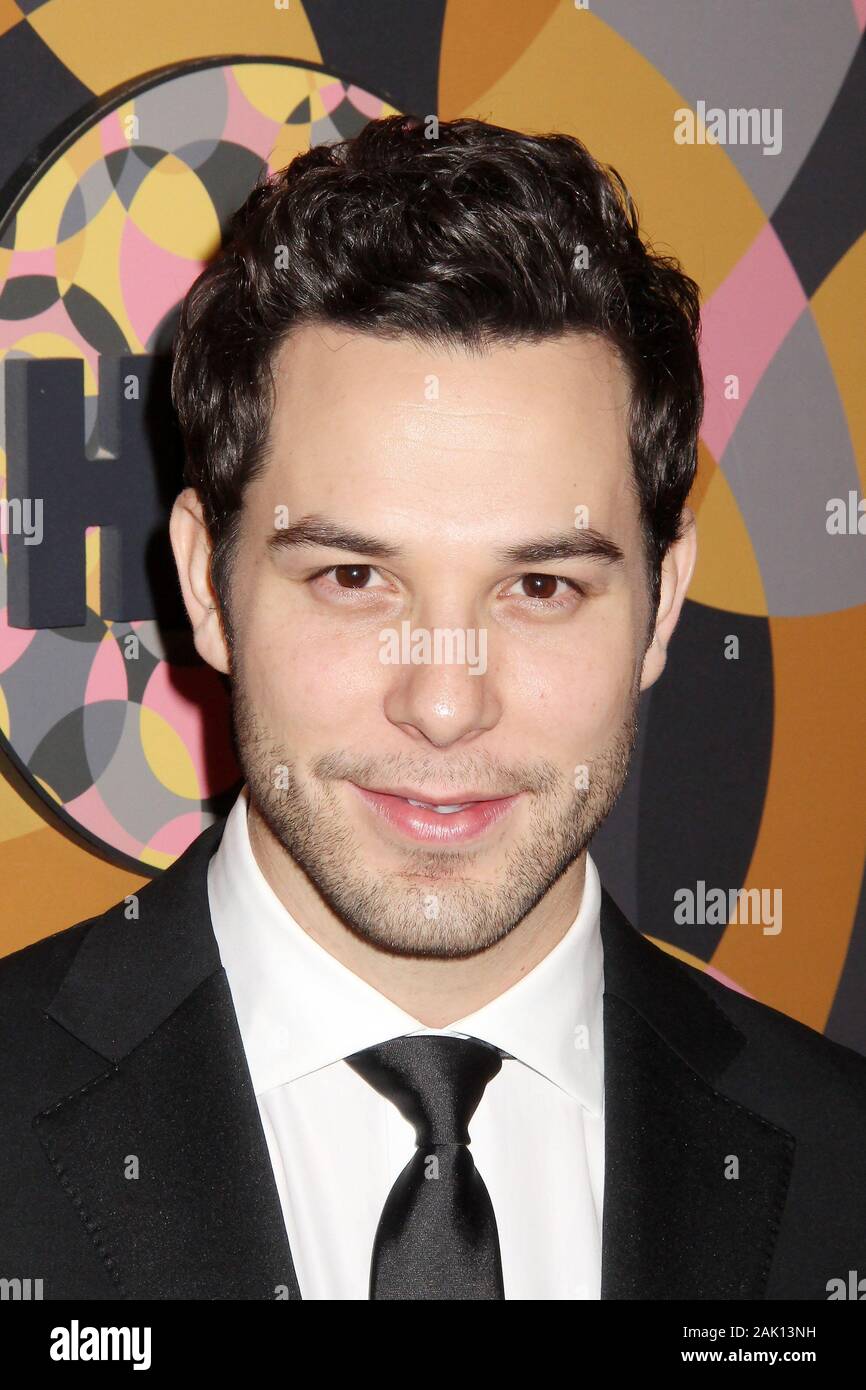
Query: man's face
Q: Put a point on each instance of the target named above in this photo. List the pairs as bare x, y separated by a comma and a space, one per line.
444, 475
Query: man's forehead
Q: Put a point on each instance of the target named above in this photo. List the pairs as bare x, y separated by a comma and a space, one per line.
317, 356
413, 446
345, 397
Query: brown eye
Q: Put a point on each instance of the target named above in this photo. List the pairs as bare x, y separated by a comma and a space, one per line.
351, 576
539, 585
349, 579
541, 590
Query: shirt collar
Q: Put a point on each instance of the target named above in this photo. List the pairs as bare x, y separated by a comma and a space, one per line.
300, 1009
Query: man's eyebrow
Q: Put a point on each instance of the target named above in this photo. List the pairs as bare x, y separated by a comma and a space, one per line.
317, 530
582, 544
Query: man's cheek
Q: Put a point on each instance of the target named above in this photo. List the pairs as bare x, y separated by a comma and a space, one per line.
591, 717
328, 688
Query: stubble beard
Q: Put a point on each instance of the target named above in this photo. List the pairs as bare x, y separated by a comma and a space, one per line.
430, 906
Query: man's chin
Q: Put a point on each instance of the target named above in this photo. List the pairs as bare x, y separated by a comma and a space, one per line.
424, 922
414, 864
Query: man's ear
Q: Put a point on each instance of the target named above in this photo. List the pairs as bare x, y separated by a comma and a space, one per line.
677, 570
192, 552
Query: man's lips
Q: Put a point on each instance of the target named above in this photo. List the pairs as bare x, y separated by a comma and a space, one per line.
452, 798
423, 823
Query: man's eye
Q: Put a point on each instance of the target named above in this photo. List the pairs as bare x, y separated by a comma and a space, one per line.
543, 587
351, 576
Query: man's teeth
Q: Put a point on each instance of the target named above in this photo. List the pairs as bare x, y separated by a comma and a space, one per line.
443, 810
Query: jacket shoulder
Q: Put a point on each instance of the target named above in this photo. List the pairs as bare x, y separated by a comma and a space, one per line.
789, 1052
112, 947
33, 974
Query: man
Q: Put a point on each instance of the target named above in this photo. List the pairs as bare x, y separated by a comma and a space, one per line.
381, 1033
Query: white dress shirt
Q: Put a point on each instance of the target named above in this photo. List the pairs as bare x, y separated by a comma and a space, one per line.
337, 1145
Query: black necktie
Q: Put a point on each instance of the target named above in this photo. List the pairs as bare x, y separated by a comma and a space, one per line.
437, 1235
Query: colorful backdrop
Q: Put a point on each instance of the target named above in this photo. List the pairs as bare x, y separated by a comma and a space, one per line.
130, 132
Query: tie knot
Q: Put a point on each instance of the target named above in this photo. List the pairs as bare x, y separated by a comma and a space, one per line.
435, 1080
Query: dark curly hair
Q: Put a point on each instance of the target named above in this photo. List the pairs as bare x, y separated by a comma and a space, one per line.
468, 234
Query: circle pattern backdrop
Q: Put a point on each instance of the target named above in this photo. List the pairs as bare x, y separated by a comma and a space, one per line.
99, 255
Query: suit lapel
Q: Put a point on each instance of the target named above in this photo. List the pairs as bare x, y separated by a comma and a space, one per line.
677, 1224
163, 1151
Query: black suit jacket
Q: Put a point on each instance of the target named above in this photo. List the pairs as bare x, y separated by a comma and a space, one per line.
120, 1043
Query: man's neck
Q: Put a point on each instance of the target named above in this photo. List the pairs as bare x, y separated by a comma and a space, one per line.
435, 992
